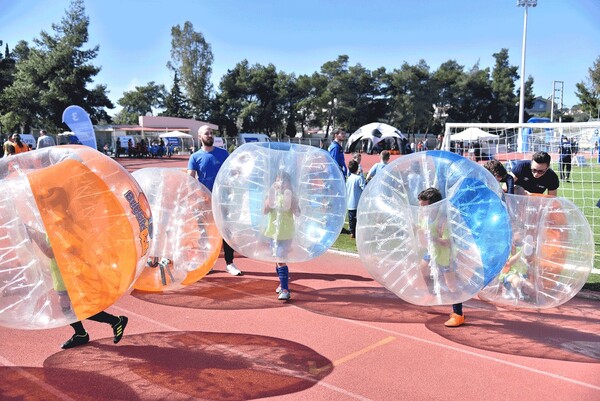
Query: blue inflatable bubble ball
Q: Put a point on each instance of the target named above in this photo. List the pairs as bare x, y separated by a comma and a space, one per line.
439, 246
279, 202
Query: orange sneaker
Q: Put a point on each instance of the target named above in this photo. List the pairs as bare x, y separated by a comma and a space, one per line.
455, 320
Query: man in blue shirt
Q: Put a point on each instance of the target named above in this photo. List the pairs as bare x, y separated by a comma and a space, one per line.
535, 176
205, 163
336, 151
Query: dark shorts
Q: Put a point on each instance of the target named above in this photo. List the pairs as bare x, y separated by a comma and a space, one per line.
445, 269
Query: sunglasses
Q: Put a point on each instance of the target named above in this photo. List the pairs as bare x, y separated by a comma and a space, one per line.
536, 171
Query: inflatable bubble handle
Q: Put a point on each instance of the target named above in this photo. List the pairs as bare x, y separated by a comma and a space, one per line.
271, 199
287, 200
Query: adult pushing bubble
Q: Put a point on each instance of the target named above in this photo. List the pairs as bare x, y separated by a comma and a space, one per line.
205, 163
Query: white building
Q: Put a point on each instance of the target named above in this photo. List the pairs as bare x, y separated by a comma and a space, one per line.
149, 128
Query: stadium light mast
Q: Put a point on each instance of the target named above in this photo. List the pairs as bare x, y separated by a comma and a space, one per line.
526, 4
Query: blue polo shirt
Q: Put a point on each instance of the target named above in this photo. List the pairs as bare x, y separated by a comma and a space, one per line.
337, 153
207, 165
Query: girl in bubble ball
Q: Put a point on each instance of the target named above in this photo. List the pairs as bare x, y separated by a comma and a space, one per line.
438, 235
43, 242
41, 239
280, 207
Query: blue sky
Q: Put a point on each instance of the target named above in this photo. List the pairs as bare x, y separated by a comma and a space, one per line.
563, 37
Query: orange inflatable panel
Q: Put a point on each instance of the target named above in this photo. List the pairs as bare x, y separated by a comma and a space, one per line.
91, 238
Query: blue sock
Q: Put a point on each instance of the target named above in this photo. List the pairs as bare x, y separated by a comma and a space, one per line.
457, 308
283, 273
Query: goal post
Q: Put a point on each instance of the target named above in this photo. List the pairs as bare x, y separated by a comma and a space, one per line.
510, 141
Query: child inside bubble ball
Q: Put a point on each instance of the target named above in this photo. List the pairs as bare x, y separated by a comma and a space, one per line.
514, 275
433, 230
43, 242
280, 207
56, 195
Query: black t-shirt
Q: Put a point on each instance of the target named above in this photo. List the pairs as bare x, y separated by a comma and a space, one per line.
565, 149
522, 171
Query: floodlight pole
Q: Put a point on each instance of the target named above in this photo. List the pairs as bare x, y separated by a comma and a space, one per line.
526, 4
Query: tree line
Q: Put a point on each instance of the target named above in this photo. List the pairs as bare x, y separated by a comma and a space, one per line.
38, 82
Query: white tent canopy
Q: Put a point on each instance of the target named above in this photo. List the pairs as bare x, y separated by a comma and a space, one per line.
374, 133
175, 134
184, 138
473, 134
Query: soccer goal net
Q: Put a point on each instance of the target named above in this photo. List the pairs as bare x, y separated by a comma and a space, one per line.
507, 142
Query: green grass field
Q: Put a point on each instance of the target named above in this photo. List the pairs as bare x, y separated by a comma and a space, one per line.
593, 283
583, 191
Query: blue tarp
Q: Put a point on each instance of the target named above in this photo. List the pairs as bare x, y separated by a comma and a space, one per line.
523, 142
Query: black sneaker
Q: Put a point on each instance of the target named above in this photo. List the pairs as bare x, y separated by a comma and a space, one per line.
119, 328
76, 340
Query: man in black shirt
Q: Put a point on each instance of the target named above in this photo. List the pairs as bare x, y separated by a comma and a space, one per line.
535, 175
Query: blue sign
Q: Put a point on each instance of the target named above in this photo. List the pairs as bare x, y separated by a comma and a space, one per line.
79, 122
173, 142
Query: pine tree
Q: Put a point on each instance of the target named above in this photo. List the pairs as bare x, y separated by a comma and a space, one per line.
55, 74
589, 92
175, 103
192, 58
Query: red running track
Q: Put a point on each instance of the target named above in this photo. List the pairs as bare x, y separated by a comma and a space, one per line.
342, 337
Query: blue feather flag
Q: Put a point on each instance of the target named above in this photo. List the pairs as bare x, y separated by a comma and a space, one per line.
79, 122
